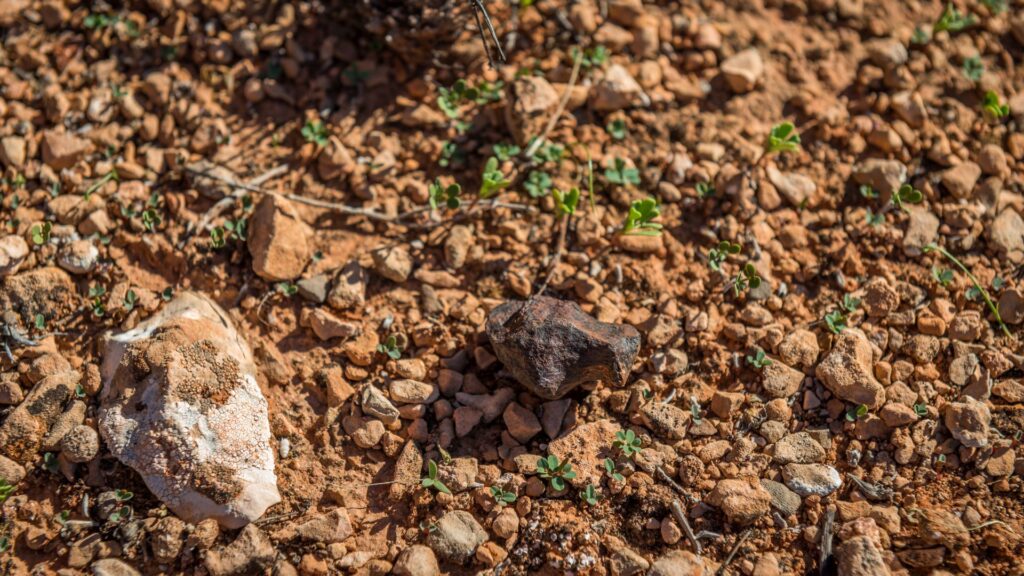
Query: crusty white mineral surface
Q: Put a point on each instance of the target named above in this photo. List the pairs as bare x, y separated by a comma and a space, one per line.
181, 406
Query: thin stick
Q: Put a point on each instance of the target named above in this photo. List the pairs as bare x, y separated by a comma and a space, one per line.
974, 280
826, 539
668, 480
732, 553
577, 62
478, 10
680, 516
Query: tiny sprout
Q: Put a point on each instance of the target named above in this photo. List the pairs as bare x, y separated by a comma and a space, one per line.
951, 20
718, 254
639, 220
79, 391
705, 190
993, 109
151, 219
782, 138
616, 172
217, 236
759, 360
977, 285
565, 204
167, 294
493, 180
921, 410
122, 513
628, 442
590, 495
448, 196
538, 183
906, 194
50, 463
390, 348
943, 276
506, 152
130, 299
316, 132
868, 192
549, 152
836, 321
746, 278
431, 481
973, 68
40, 322
123, 495
856, 413
874, 219
287, 288
617, 129
41, 233
236, 228
502, 497
609, 467
996, 6
554, 472
6, 490
850, 303
63, 517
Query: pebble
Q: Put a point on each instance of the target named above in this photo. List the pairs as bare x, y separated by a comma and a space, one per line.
251, 552
456, 536
616, 90
742, 500
960, 179
1007, 234
78, 257
349, 289
885, 176
968, 421
81, 444
811, 479
743, 70
278, 239
521, 423
393, 263
416, 560
800, 447
784, 500
679, 563
848, 370
13, 251
313, 289
412, 392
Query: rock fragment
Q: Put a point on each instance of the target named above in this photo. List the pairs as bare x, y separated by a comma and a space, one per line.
278, 240
456, 536
743, 500
812, 479
847, 370
968, 421
531, 101
743, 70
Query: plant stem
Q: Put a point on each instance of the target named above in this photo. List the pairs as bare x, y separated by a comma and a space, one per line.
984, 293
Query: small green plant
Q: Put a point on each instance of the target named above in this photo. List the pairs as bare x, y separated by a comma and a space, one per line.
130, 300
493, 180
450, 100
123, 495
167, 294
704, 190
286, 288
906, 194
122, 513
873, 218
782, 138
836, 321
984, 293
617, 172
6, 490
921, 410
856, 413
217, 237
590, 495
593, 57
112, 175
850, 303
506, 152
565, 203
952, 21
315, 131
993, 109
617, 129
41, 233
973, 68
444, 195
431, 481
39, 321
236, 228
548, 152
151, 219
943, 276
450, 154
868, 192
50, 463
627, 442
995, 6
502, 497
538, 184
609, 467
96, 300
639, 220
746, 278
718, 254
98, 20
62, 517
390, 348
555, 472
759, 360
920, 36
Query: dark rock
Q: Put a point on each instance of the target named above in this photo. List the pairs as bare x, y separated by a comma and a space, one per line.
551, 346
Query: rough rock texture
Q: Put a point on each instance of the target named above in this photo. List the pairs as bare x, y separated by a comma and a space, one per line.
847, 370
278, 240
551, 346
457, 536
531, 100
21, 435
680, 563
181, 406
743, 500
586, 447
968, 422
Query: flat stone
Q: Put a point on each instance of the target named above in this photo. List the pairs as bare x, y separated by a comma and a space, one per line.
456, 536
783, 499
743, 70
847, 370
811, 479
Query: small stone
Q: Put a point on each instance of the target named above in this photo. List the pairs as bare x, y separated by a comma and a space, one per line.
393, 263
781, 381
376, 404
78, 257
812, 479
456, 536
679, 563
327, 326
521, 423
783, 499
531, 101
1011, 306
62, 150
624, 561
328, 528
81, 444
922, 230
968, 421
885, 176
13, 251
413, 392
250, 553
491, 405
278, 240
726, 404
1007, 234
313, 289
166, 539
859, 556
552, 416
743, 70
617, 90
800, 447
349, 289
416, 560
506, 524
887, 53
10, 471
960, 179
466, 419
552, 346
666, 420
13, 152
797, 189
585, 447
113, 567
742, 500
456, 247
847, 370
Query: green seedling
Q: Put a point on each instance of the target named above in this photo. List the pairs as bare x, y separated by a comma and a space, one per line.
286, 288
718, 254
920, 36
112, 175
6, 490
122, 513
993, 109
217, 237
836, 321
506, 152
921, 410
593, 57
548, 152
609, 467
441, 195
493, 180
705, 190
390, 348
315, 131
450, 100
639, 220
850, 303
617, 172
628, 443
62, 517
431, 481
130, 300
167, 294
984, 293
973, 68
874, 219
150, 219
41, 233
502, 497
236, 229
943, 276
782, 138
79, 391
123, 495
906, 194
995, 6
538, 184
96, 300
50, 463
39, 321
856, 413
617, 129
759, 360
565, 203
868, 192
590, 495
450, 154
746, 278
952, 21
555, 472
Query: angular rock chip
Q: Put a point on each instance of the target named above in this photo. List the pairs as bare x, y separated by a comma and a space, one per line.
551, 346
181, 406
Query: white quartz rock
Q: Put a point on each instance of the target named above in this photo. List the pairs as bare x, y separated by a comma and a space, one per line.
181, 406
